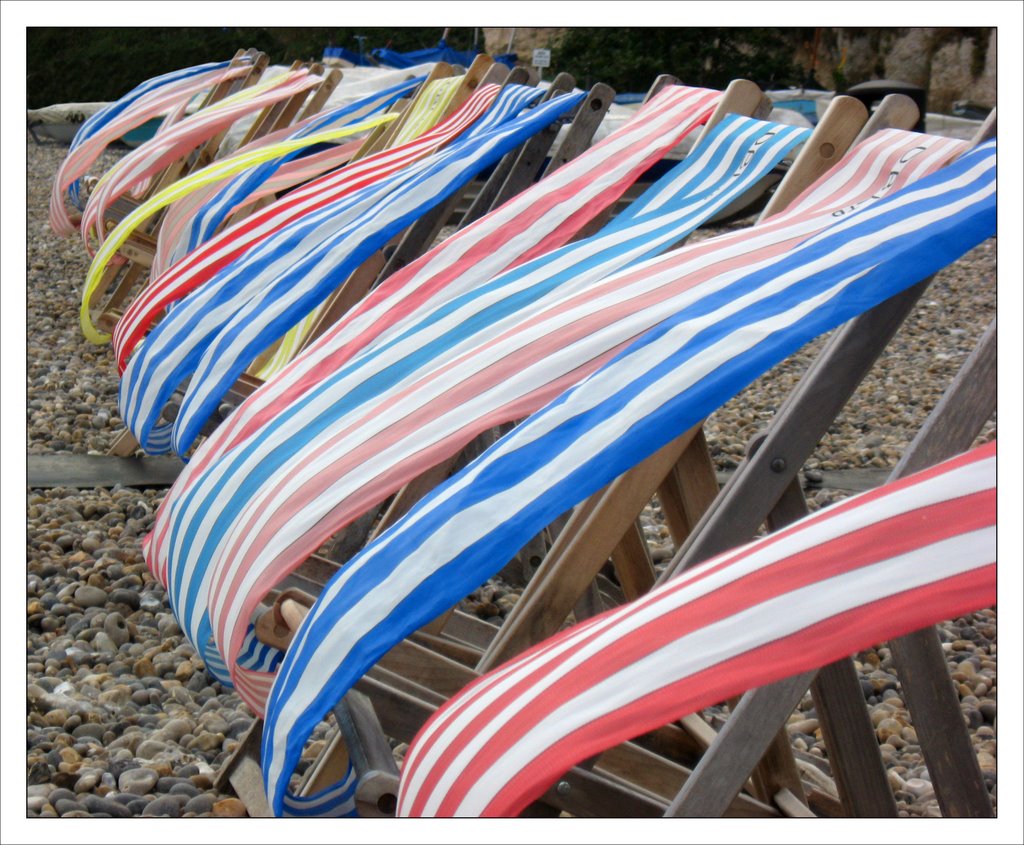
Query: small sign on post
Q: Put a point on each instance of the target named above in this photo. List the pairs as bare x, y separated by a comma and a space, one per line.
541, 60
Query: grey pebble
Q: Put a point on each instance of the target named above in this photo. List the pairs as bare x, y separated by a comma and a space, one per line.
202, 803
165, 805
137, 781
88, 596
64, 806
97, 804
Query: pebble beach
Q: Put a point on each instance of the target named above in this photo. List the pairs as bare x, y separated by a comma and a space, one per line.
124, 721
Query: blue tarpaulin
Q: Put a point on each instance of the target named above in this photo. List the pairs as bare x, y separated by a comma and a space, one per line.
441, 53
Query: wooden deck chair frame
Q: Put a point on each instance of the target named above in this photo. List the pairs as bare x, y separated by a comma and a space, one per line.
140, 246
742, 98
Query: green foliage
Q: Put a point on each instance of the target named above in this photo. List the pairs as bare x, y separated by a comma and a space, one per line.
629, 59
100, 64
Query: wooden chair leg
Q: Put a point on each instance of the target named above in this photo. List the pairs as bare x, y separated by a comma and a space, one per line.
951, 428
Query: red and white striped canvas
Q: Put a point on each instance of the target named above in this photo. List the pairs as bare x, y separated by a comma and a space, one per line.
873, 567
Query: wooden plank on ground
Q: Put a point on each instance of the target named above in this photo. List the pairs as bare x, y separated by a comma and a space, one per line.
46, 471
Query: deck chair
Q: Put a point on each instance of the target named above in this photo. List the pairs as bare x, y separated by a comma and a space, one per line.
818, 243
957, 795
218, 361
876, 566
196, 139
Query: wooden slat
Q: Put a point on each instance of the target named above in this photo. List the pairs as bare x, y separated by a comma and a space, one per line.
85, 471
854, 757
688, 488
664, 779
856, 761
632, 562
740, 745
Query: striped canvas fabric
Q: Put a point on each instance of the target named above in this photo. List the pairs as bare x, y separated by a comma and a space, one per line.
217, 331
552, 211
219, 252
351, 452
166, 147
428, 109
667, 381
716, 173
873, 567
207, 220
154, 98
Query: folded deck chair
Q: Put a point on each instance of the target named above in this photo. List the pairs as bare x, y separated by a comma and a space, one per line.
357, 409
292, 293
871, 568
198, 267
667, 381
161, 96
